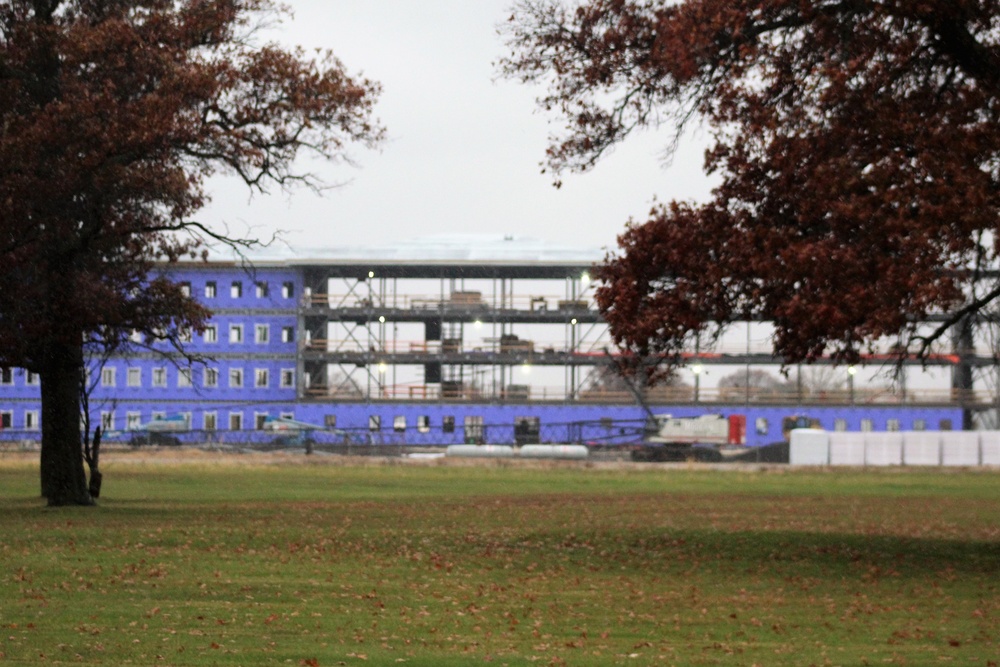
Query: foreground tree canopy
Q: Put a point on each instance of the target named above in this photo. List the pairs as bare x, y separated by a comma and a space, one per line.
112, 115
856, 144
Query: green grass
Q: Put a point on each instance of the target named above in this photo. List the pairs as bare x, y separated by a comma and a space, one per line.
193, 564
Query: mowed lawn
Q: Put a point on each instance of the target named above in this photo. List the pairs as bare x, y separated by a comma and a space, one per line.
332, 562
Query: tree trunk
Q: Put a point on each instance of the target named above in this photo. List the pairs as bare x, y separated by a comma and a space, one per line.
64, 481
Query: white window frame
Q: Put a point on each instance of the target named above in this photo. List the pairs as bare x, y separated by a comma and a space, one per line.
33, 379
107, 420
211, 289
210, 377
261, 290
236, 290
211, 334
261, 333
235, 333
261, 378
259, 418
184, 377
6, 375
108, 377
134, 377
236, 378
210, 421
236, 418
287, 290
159, 376
133, 421
287, 378
31, 422
287, 334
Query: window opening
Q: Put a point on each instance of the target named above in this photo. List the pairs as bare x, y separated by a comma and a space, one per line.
474, 430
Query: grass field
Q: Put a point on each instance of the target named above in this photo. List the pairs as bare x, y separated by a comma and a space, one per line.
214, 562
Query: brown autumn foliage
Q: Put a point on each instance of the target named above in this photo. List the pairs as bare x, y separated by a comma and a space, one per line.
856, 145
112, 115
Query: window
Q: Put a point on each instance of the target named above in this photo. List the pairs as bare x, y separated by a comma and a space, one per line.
107, 421
6, 419
423, 424
211, 334
210, 289
211, 377
183, 377
867, 425
399, 423
839, 424
761, 425
527, 430
209, 421
330, 421
235, 421
287, 290
236, 377
133, 421
185, 288
107, 377
448, 424
374, 423
135, 336
33, 379
261, 378
287, 415
258, 420
919, 424
474, 430
135, 377
6, 375
236, 290
944, 425
184, 335
159, 377
287, 378
892, 425
287, 334
262, 290
261, 333
156, 416
235, 333
31, 420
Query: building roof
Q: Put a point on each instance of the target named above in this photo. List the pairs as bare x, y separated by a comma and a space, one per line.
447, 255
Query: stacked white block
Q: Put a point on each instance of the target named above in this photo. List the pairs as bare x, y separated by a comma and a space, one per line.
960, 448
809, 447
847, 448
884, 448
922, 448
989, 441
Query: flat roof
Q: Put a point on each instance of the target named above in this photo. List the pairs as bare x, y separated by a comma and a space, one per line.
447, 255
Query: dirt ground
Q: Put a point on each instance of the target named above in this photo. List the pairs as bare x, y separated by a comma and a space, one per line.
232, 457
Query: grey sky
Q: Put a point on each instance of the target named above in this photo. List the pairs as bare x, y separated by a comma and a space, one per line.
463, 151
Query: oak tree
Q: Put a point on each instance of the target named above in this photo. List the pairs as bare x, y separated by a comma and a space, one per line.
112, 115
856, 149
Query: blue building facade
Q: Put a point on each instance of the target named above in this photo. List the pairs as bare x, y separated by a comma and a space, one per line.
256, 365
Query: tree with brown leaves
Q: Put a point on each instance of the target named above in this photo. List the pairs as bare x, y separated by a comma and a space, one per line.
856, 145
112, 115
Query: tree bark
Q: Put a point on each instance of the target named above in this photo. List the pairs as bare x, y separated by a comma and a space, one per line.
64, 481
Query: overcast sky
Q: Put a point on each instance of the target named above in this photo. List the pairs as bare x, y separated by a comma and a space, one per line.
463, 151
